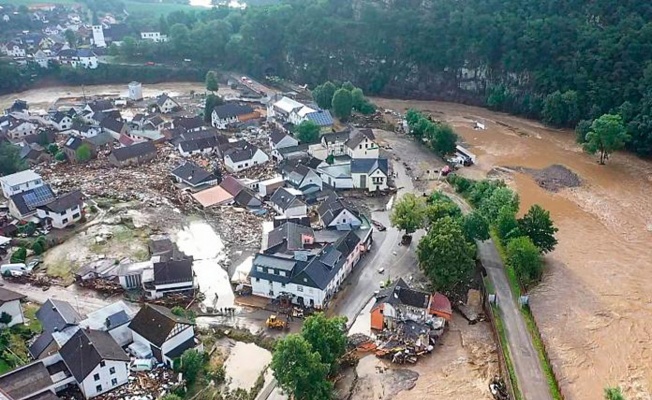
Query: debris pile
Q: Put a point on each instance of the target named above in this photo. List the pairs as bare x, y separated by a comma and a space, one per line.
38, 280
105, 286
498, 389
146, 385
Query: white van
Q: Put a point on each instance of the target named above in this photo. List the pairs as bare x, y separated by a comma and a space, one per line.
6, 269
142, 364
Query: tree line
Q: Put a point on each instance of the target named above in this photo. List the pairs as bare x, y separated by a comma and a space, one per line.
439, 136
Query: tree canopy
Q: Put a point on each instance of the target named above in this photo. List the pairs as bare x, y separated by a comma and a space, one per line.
10, 161
342, 104
523, 256
191, 363
408, 213
211, 82
327, 336
323, 95
212, 101
307, 132
84, 152
606, 135
537, 225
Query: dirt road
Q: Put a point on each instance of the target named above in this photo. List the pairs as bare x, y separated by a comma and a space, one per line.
594, 306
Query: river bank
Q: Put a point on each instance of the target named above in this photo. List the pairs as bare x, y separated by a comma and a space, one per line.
592, 307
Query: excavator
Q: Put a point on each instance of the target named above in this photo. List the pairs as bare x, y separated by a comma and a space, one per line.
273, 322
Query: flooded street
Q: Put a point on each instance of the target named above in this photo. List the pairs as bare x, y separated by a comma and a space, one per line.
198, 239
245, 363
594, 307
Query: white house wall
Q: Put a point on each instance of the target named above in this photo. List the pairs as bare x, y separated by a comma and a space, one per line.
345, 217
174, 341
88, 386
262, 288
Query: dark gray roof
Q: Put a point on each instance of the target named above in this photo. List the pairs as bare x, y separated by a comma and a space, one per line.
100, 105
241, 151
73, 143
336, 136
117, 319
189, 123
290, 234
192, 173
30, 200
231, 110
277, 135
26, 380
133, 151
112, 124
231, 185
156, 120
294, 152
247, 198
369, 165
138, 117
101, 139
274, 263
40, 344
160, 100
55, 315
65, 202
154, 323
87, 348
332, 207
7, 295
285, 200
174, 271
400, 292
58, 117
202, 143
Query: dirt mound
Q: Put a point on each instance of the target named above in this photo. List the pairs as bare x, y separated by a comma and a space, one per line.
553, 178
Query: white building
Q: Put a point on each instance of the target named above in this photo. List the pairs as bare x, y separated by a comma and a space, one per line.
153, 37
302, 177
96, 361
20, 182
335, 213
98, 36
286, 202
10, 305
159, 333
280, 140
166, 104
167, 277
113, 319
135, 91
242, 155
61, 121
62, 212
370, 174
15, 51
19, 128
361, 144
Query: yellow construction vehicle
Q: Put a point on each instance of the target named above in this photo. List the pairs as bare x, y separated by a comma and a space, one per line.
275, 323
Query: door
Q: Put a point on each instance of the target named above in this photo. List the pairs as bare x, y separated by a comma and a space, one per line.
363, 181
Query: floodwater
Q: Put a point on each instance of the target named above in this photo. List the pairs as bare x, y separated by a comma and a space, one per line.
245, 364
594, 306
199, 240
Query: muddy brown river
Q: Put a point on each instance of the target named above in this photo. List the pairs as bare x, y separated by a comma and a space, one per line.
594, 307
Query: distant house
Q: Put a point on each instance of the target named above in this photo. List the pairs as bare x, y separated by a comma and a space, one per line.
114, 127
361, 144
232, 185
154, 36
82, 58
58, 320
193, 175
321, 118
247, 198
34, 153
189, 124
331, 144
61, 121
288, 204
113, 319
85, 130
215, 196
228, 114
201, 145
96, 361
16, 51
24, 204
337, 176
278, 140
166, 104
169, 277
241, 155
71, 146
64, 211
282, 109
41, 59
133, 155
302, 177
396, 302
370, 174
288, 238
10, 305
20, 182
336, 213
18, 106
159, 333
19, 128
268, 186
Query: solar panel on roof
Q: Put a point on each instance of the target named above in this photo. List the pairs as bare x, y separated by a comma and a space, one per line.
39, 196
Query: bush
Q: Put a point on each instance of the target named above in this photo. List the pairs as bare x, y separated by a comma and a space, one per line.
523, 256
19, 255
60, 156
38, 248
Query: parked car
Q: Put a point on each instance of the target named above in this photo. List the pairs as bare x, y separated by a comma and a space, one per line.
33, 264
380, 227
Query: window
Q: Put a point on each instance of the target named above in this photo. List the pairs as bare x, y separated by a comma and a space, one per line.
102, 363
98, 388
76, 215
64, 221
259, 269
299, 288
360, 146
114, 382
282, 285
257, 279
282, 273
96, 377
111, 370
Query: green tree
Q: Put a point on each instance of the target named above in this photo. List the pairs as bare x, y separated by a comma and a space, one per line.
323, 95
445, 256
330, 159
583, 127
307, 132
507, 225
475, 226
10, 161
342, 104
53, 148
19, 256
499, 198
60, 156
38, 248
299, 370
211, 82
327, 336
538, 226
71, 38
408, 213
5, 318
444, 141
83, 153
440, 206
613, 393
607, 135
523, 256
357, 99
212, 101
190, 364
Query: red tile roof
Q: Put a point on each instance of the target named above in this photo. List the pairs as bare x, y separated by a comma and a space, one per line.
439, 304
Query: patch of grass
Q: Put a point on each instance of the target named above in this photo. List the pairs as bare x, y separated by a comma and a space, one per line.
63, 270
29, 311
4, 367
502, 336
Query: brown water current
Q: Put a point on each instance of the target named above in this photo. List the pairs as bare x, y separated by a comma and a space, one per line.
594, 307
